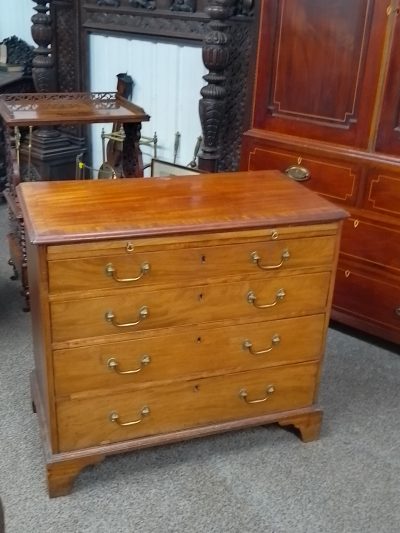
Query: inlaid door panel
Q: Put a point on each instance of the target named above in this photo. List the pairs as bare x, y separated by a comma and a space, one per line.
388, 135
318, 67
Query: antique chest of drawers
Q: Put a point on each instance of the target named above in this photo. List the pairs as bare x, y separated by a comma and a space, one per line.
170, 308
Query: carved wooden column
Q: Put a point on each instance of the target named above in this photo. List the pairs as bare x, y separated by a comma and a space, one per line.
213, 102
43, 63
52, 153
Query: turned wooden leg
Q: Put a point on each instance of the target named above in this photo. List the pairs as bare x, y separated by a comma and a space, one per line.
25, 294
61, 476
307, 424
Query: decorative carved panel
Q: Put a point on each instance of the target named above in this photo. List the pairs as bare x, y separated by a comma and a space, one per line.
66, 45
238, 87
310, 42
74, 20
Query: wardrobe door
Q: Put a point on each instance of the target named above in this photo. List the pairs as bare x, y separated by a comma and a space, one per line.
318, 68
388, 137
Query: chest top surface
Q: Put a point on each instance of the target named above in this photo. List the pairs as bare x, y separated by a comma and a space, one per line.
81, 211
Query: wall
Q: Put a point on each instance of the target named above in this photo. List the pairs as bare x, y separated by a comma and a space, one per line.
168, 79
15, 19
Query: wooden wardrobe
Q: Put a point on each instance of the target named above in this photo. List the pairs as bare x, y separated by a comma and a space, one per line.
326, 110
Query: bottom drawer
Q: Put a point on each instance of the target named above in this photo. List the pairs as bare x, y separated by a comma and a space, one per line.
151, 411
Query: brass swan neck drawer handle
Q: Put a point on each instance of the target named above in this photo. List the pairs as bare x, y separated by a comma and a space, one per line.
243, 395
252, 299
257, 260
143, 314
114, 417
248, 345
111, 271
298, 173
113, 364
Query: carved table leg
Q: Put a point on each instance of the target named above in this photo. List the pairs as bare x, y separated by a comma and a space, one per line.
132, 164
61, 476
307, 424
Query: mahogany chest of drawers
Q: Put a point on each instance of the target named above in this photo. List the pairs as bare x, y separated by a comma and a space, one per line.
171, 308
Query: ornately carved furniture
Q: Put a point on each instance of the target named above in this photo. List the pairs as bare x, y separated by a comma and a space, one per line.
326, 111
170, 308
225, 28
18, 52
19, 111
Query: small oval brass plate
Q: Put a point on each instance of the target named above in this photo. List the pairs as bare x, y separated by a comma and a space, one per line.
298, 173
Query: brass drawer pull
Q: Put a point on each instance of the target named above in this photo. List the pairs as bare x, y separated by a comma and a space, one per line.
110, 271
298, 173
252, 299
256, 259
243, 395
114, 417
248, 345
143, 313
113, 364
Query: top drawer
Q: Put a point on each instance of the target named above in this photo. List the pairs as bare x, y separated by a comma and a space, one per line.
182, 266
337, 179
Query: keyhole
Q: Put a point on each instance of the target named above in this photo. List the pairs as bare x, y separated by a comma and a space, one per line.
200, 297
203, 258
199, 339
196, 388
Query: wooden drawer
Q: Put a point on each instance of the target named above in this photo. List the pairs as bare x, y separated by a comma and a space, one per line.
382, 192
361, 294
177, 267
194, 351
368, 241
286, 296
174, 406
337, 180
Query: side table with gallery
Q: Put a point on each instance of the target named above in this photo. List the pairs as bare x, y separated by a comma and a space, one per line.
39, 146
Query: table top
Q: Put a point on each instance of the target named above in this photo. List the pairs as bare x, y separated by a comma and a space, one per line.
91, 210
46, 109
